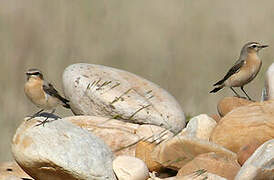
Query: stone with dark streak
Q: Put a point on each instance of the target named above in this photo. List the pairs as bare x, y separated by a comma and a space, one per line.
113, 93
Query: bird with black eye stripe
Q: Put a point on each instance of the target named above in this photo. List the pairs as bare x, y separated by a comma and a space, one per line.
42, 93
244, 70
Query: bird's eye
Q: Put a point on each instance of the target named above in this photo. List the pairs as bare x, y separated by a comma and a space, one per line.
254, 46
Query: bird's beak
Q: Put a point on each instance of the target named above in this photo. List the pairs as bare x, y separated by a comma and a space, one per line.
263, 46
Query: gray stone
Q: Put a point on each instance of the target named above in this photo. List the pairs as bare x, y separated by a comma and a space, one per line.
260, 165
268, 90
108, 92
60, 150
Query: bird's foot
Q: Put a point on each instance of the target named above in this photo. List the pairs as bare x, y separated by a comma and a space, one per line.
243, 97
43, 122
34, 115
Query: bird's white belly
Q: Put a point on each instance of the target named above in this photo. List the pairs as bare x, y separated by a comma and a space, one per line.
244, 76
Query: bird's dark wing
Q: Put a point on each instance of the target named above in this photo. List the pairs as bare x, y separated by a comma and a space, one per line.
50, 90
231, 71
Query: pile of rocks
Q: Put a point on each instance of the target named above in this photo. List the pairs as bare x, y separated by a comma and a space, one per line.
128, 128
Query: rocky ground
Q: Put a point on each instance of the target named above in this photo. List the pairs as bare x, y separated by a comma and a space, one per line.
127, 128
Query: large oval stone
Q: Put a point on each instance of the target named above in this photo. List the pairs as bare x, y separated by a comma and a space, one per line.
242, 125
108, 92
60, 150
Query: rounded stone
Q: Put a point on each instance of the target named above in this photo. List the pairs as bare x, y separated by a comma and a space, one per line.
60, 150
242, 125
227, 104
108, 92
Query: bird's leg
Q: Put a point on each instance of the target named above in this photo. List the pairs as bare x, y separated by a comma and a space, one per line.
35, 114
46, 120
53, 111
235, 92
242, 88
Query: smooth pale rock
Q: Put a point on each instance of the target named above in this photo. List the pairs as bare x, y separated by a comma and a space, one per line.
179, 150
260, 165
268, 91
143, 152
227, 104
247, 150
200, 127
124, 135
128, 167
200, 175
60, 150
213, 163
117, 94
244, 124
11, 170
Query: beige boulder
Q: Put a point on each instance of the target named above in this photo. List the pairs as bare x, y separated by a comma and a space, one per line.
124, 135
143, 152
216, 117
227, 104
200, 175
120, 136
213, 163
113, 93
254, 121
179, 150
247, 150
11, 170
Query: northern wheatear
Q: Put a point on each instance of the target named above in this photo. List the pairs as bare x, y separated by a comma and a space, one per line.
42, 93
244, 70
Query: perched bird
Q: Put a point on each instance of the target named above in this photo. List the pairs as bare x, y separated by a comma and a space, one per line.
42, 93
244, 70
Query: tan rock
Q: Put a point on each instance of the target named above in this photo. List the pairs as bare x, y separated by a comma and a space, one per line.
200, 175
244, 124
11, 170
113, 93
123, 135
227, 104
143, 152
216, 117
247, 150
60, 150
179, 150
213, 163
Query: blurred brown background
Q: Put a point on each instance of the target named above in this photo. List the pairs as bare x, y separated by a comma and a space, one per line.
182, 45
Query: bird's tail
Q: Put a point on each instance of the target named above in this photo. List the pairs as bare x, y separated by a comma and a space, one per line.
219, 82
216, 89
65, 102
